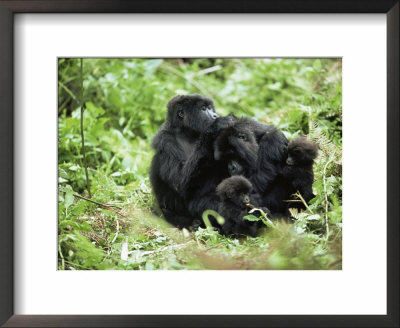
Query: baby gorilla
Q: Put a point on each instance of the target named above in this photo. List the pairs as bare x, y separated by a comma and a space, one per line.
235, 202
299, 166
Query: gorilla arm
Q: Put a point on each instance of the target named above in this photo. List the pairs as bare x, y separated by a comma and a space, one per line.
171, 159
200, 158
177, 167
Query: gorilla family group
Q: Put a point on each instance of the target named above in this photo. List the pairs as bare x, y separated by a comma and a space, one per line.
227, 164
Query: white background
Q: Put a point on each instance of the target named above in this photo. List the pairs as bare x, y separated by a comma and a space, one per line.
360, 288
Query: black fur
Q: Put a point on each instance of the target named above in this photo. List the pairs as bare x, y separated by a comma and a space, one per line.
235, 194
296, 175
255, 150
177, 154
299, 166
262, 154
200, 192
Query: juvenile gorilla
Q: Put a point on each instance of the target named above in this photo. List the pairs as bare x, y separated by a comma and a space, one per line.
296, 175
235, 194
183, 148
299, 168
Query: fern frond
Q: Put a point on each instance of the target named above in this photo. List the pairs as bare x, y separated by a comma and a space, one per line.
327, 147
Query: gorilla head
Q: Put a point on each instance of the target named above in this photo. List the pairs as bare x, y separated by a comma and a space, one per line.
236, 199
301, 152
191, 112
237, 146
236, 191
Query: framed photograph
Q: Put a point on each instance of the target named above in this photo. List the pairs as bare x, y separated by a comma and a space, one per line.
214, 164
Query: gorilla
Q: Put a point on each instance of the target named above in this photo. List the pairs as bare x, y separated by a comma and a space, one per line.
257, 151
235, 202
296, 175
299, 166
184, 158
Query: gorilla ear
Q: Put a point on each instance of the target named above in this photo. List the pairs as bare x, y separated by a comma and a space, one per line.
180, 113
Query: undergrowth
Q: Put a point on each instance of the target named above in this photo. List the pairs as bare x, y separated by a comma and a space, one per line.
125, 103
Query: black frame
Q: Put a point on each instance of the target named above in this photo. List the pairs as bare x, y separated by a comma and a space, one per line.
7, 10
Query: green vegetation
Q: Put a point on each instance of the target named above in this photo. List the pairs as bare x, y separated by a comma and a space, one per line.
125, 103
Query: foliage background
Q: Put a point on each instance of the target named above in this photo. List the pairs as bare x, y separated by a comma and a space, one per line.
125, 103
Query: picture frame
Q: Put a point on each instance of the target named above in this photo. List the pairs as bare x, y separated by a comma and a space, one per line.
7, 11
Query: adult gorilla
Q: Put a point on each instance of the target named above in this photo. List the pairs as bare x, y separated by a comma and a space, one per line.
183, 147
258, 149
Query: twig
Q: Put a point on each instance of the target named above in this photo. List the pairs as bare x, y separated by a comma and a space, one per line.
297, 194
61, 107
326, 194
116, 234
94, 202
82, 135
62, 256
210, 70
212, 247
62, 85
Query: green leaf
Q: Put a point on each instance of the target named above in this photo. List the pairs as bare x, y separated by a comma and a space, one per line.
251, 218
313, 217
69, 199
62, 180
74, 168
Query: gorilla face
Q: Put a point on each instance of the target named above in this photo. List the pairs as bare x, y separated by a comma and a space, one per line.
235, 141
294, 157
301, 152
235, 190
191, 112
237, 147
242, 199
